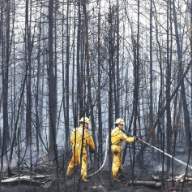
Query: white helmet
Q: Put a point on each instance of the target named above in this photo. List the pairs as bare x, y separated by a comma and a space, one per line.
84, 120
120, 121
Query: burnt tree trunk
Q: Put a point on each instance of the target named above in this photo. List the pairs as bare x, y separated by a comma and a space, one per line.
183, 95
52, 88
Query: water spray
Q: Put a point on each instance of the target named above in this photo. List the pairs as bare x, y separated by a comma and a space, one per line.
167, 154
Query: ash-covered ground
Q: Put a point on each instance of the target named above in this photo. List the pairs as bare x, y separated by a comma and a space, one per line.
147, 172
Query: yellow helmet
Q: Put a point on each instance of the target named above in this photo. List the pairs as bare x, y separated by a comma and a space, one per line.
84, 120
120, 121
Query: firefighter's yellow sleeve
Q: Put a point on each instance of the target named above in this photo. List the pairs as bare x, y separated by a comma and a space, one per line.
90, 141
127, 139
72, 138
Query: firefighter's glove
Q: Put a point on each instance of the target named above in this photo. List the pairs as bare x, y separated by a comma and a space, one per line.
136, 138
91, 150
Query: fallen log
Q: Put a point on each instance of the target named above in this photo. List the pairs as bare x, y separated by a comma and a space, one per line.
25, 178
180, 178
146, 183
155, 178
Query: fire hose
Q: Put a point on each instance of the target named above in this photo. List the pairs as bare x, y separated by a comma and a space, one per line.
105, 158
106, 147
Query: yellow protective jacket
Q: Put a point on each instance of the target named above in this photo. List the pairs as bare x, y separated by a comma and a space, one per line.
76, 139
117, 136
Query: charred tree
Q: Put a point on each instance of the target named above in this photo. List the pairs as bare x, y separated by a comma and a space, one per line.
52, 88
110, 93
151, 69
5, 74
168, 85
67, 136
117, 92
180, 74
100, 135
79, 65
28, 49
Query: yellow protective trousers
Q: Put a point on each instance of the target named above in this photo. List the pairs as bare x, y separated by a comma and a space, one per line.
117, 166
76, 159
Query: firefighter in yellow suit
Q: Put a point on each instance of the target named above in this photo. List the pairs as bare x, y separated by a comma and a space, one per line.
76, 143
117, 136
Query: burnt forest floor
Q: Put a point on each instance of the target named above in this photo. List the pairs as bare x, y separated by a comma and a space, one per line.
43, 178
98, 183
